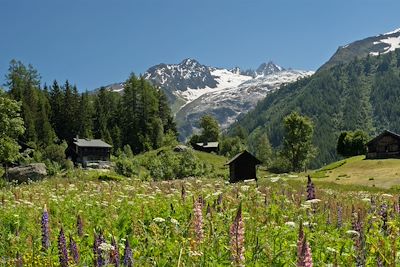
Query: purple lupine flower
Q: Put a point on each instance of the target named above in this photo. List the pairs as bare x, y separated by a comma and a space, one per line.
128, 257
114, 253
79, 225
310, 189
98, 256
236, 233
45, 229
384, 216
62, 249
198, 220
73, 249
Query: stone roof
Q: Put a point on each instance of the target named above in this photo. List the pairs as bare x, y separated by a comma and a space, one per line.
244, 153
91, 143
385, 132
208, 145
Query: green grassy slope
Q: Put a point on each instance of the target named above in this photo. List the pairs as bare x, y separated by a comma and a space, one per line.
383, 173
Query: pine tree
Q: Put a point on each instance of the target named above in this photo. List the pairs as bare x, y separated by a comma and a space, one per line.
85, 115
57, 106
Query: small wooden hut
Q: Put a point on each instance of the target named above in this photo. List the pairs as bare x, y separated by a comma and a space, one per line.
207, 147
385, 145
243, 167
85, 151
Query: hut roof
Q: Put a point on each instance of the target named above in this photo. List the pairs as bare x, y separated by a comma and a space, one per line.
385, 132
91, 143
245, 153
208, 144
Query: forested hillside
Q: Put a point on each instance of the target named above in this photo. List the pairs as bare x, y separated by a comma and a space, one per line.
140, 117
364, 94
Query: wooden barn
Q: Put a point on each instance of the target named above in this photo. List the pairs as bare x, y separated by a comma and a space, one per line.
242, 167
86, 151
385, 145
207, 147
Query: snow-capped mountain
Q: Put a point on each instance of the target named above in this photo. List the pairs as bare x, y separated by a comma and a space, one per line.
375, 45
228, 103
194, 89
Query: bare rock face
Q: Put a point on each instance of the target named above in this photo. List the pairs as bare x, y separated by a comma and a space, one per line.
33, 172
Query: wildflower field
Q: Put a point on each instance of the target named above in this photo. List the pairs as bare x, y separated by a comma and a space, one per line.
81, 221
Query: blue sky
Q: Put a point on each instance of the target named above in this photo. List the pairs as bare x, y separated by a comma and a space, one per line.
98, 42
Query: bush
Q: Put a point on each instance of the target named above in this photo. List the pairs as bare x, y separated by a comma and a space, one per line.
126, 166
279, 165
53, 168
56, 153
168, 165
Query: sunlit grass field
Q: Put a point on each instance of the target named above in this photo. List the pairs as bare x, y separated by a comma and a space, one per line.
158, 219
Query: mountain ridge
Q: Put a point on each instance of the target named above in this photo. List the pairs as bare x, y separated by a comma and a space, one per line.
373, 46
193, 89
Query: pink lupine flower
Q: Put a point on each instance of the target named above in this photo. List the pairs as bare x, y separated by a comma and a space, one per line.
300, 241
237, 239
198, 220
304, 252
308, 256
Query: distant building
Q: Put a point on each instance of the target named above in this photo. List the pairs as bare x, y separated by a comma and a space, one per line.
86, 151
207, 147
242, 167
385, 145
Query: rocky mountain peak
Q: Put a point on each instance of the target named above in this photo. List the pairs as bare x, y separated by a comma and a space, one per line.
268, 68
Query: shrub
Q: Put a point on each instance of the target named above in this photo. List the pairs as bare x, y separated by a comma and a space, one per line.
169, 165
126, 166
53, 167
56, 153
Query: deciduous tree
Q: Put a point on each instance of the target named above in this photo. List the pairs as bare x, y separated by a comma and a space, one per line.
297, 142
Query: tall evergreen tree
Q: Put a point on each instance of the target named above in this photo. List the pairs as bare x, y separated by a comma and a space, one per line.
57, 108
85, 116
24, 84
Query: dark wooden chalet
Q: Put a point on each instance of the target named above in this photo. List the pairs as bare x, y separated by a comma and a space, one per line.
86, 151
242, 167
385, 145
207, 147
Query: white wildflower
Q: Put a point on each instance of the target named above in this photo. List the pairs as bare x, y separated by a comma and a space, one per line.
313, 201
291, 224
331, 249
244, 188
352, 232
174, 221
106, 247
159, 220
